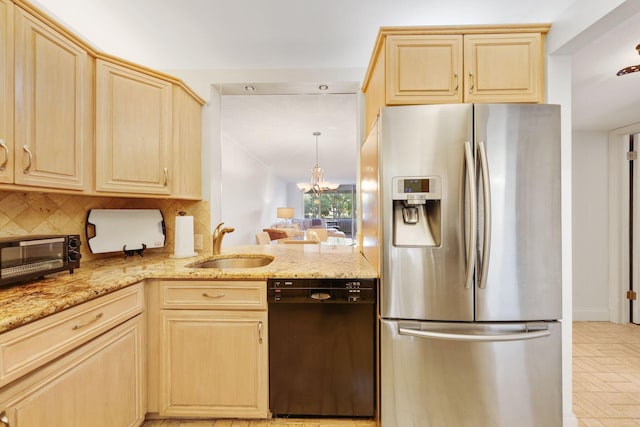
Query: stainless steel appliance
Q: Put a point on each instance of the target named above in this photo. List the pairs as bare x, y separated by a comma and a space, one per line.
24, 258
467, 216
322, 347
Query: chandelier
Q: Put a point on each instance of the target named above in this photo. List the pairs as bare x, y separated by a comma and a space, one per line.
630, 68
317, 184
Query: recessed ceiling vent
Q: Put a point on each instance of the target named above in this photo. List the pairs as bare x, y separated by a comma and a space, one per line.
631, 68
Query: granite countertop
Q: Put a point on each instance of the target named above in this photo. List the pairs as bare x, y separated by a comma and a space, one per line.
21, 304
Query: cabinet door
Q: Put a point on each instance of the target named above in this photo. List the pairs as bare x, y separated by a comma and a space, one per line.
423, 69
133, 131
503, 67
214, 364
187, 146
6, 91
100, 384
53, 107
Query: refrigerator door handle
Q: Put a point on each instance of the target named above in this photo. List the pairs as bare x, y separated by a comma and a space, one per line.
471, 240
527, 335
486, 195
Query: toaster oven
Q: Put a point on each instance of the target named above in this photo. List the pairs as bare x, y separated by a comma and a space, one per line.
24, 258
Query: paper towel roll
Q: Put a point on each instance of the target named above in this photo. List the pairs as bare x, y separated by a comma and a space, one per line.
184, 237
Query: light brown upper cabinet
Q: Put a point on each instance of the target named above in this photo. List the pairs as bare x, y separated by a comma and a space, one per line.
6, 91
73, 119
433, 65
423, 69
187, 143
133, 131
53, 107
503, 68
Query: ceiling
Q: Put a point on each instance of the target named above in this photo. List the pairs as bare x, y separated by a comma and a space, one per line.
327, 34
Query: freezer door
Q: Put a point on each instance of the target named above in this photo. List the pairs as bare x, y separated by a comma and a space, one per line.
519, 242
470, 375
427, 281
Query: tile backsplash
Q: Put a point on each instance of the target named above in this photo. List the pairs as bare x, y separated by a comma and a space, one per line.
47, 213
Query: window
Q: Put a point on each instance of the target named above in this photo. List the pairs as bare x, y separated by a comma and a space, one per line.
337, 207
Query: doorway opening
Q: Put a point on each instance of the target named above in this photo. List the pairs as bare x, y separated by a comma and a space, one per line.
624, 224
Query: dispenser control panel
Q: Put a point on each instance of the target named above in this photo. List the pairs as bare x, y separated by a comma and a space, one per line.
417, 189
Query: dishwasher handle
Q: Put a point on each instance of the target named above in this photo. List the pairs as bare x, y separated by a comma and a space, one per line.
520, 336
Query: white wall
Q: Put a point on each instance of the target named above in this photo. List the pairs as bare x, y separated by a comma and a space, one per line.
250, 194
590, 226
295, 200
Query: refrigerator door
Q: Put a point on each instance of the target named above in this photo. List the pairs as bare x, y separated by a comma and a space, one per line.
466, 374
434, 280
518, 271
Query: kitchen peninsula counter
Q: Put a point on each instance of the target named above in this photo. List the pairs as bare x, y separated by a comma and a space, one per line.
24, 303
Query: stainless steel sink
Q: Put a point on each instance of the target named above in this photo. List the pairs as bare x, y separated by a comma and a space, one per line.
234, 261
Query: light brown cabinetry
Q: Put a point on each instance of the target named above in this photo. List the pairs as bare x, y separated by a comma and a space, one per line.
53, 107
30, 346
212, 344
187, 145
6, 91
423, 69
100, 384
82, 366
503, 67
60, 98
428, 65
133, 131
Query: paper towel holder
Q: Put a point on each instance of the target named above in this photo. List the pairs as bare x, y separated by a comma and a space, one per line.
183, 252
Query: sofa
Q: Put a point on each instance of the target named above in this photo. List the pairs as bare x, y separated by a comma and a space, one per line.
284, 231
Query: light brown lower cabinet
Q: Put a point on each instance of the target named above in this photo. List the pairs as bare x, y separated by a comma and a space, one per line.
211, 363
100, 384
212, 342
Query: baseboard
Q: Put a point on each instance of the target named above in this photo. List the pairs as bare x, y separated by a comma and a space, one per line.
591, 314
570, 420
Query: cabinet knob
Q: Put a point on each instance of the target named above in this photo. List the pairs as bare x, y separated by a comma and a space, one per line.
4, 419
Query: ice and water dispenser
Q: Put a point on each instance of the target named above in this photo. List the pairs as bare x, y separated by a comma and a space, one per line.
416, 211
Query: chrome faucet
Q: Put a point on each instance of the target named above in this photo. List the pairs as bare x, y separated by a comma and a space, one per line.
218, 234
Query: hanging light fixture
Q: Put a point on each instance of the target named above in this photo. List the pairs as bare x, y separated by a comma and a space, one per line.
317, 183
630, 68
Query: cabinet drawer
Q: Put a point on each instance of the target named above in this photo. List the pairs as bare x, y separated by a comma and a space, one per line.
223, 295
31, 346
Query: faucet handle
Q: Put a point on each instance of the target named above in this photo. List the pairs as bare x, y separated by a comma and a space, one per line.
216, 231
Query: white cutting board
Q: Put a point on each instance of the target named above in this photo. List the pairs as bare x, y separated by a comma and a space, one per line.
118, 229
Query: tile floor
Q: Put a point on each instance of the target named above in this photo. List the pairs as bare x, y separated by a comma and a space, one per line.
606, 374
606, 383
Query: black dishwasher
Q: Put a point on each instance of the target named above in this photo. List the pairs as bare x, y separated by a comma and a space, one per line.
322, 347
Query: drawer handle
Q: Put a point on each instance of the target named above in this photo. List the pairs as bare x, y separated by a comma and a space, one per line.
260, 332
95, 319
4, 419
206, 295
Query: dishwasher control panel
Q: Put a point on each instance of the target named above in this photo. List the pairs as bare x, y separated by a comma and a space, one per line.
321, 291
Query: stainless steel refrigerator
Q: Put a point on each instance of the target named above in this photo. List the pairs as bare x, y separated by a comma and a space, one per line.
463, 203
